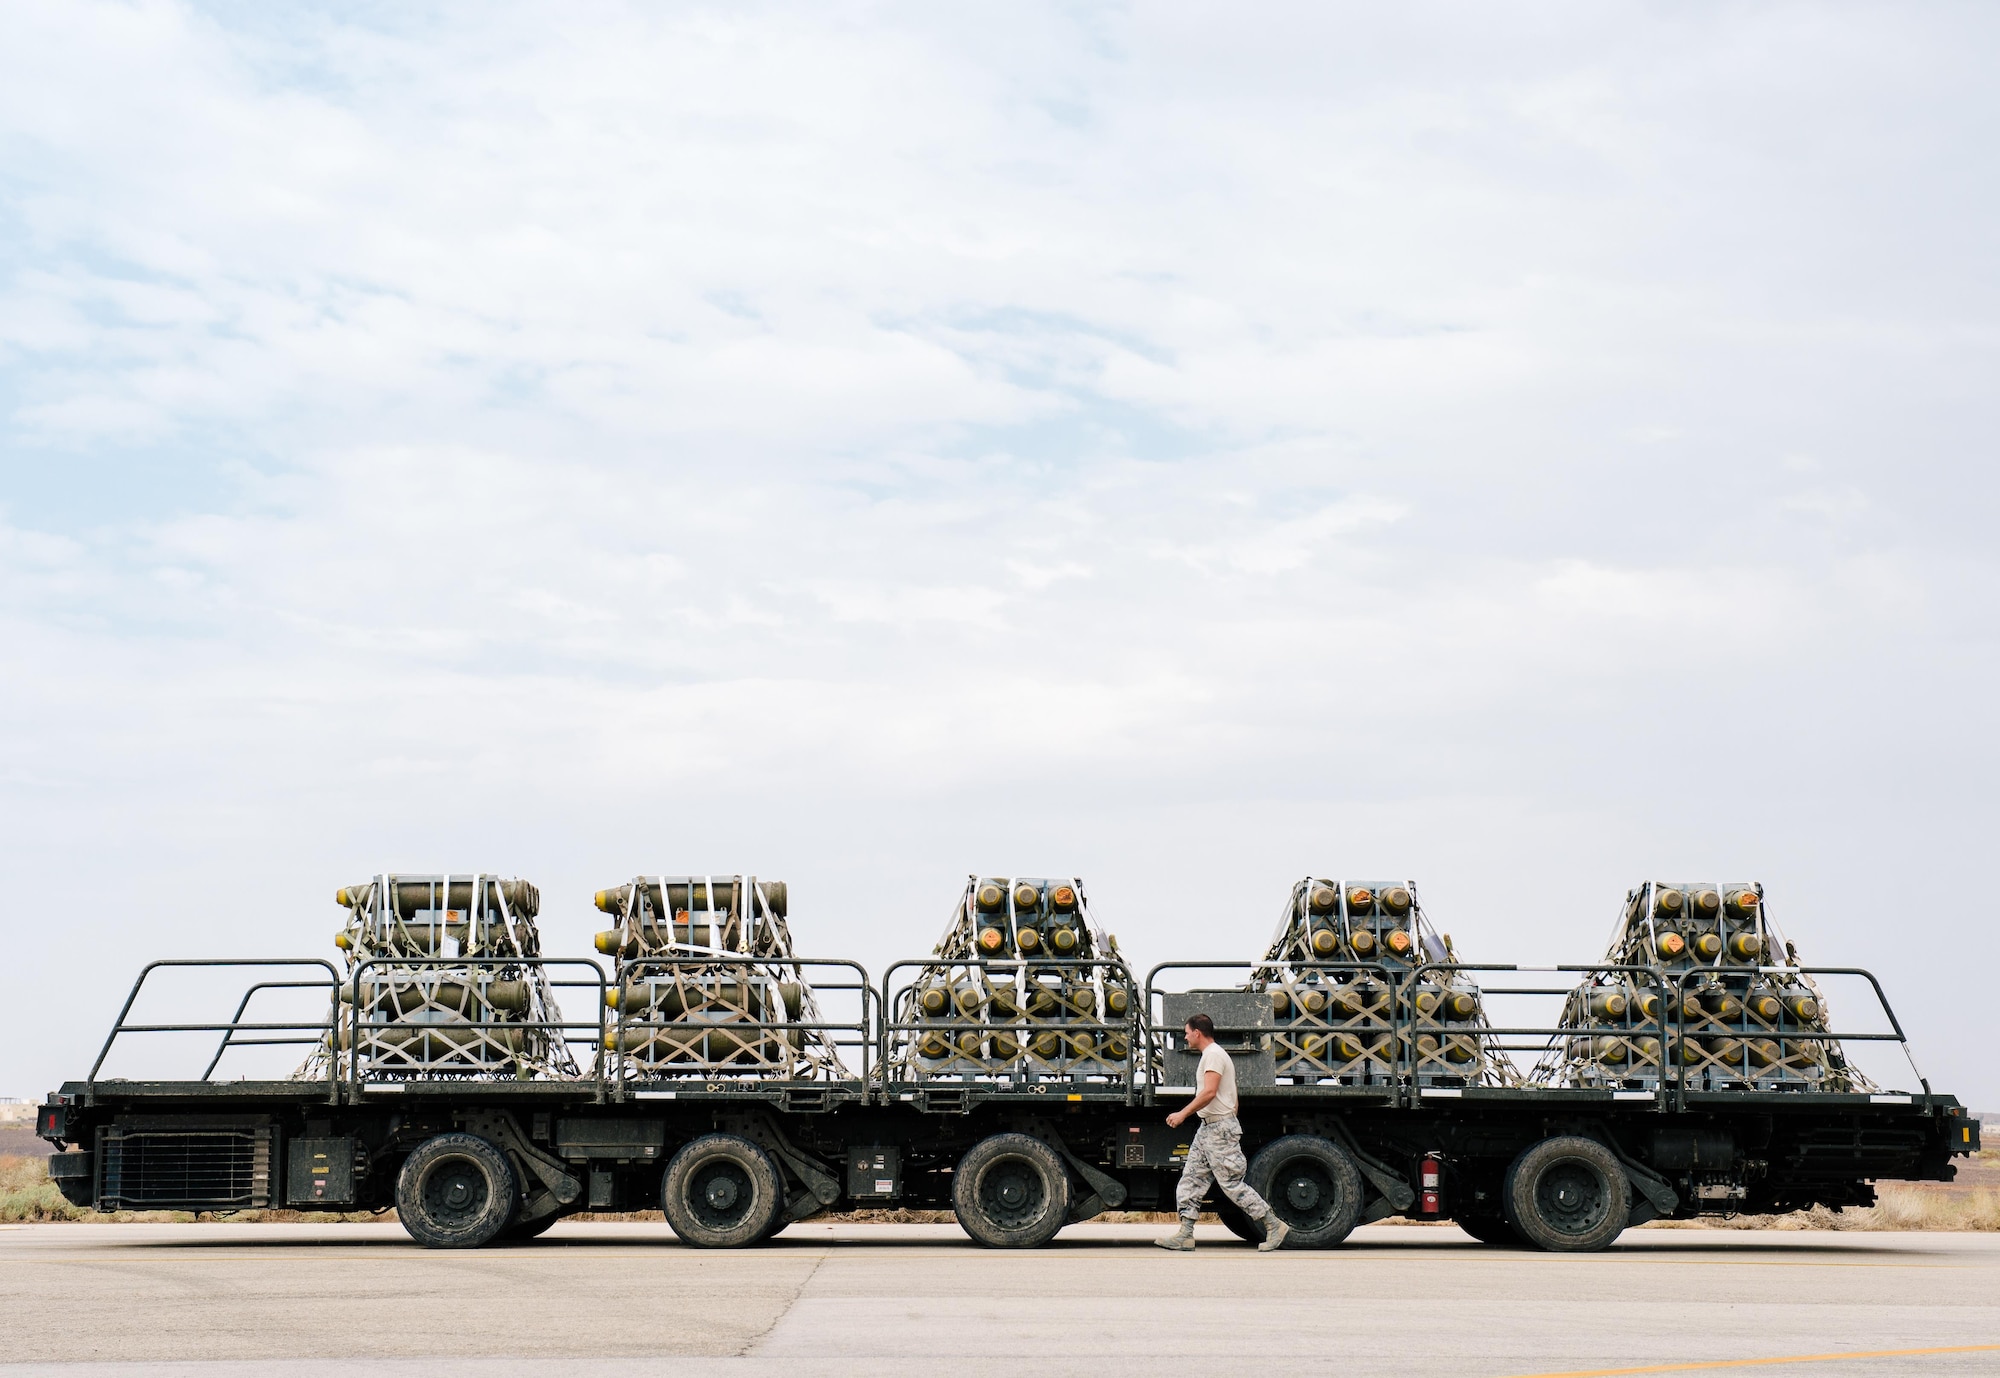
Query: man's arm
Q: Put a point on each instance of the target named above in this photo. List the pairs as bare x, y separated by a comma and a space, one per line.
1211, 1086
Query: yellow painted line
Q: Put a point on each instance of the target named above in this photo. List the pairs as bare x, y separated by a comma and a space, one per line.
1758, 1363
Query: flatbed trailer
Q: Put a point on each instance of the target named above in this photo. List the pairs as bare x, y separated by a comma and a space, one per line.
731, 1161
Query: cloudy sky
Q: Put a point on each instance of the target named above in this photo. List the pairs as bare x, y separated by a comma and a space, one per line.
1526, 449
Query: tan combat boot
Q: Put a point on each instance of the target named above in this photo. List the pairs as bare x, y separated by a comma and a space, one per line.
1181, 1240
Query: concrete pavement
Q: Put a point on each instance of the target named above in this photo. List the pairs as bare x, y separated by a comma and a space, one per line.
307, 1301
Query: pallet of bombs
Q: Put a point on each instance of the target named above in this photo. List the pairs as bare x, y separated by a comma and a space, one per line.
1023, 987
443, 980
1698, 986
708, 984
1362, 989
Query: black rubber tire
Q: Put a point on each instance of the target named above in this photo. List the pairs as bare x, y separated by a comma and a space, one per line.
457, 1191
721, 1192
783, 1218
1568, 1195
1233, 1219
520, 1232
1490, 1229
1011, 1192
1312, 1185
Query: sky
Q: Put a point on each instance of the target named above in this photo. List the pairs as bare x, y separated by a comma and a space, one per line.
1527, 450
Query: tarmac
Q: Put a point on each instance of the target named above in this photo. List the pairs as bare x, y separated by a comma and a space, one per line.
312, 1301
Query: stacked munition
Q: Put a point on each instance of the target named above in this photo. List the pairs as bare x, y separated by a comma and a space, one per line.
1022, 985
1350, 993
1714, 999
707, 984
440, 981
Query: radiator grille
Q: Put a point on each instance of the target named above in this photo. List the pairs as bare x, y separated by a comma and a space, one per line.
196, 1167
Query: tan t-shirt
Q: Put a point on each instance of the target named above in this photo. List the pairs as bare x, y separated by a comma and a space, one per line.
1213, 1059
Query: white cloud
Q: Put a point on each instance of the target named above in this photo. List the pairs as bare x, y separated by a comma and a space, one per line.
880, 444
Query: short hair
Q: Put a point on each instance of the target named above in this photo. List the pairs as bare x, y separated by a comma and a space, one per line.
1202, 1024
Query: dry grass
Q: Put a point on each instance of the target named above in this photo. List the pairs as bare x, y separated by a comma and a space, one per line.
1972, 1202
1902, 1206
26, 1193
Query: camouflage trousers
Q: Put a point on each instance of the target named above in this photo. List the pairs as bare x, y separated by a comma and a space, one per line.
1216, 1155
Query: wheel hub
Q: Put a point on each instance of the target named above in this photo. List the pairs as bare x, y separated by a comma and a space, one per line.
721, 1194
1573, 1198
1012, 1194
1304, 1194
455, 1192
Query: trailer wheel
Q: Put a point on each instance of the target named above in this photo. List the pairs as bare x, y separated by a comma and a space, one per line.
721, 1192
1489, 1229
457, 1191
781, 1218
1234, 1220
1312, 1185
1011, 1192
521, 1232
1568, 1194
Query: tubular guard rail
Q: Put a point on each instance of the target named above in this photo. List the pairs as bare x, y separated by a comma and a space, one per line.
741, 1029
889, 1038
550, 1026
1404, 1024
1807, 1035
1669, 1025
296, 1031
900, 1058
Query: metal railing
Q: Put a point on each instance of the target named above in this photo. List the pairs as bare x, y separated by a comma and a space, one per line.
901, 1026
1267, 973
1668, 1025
836, 1034
1551, 1035
1803, 1034
294, 1031
229, 1038
883, 1035
551, 1023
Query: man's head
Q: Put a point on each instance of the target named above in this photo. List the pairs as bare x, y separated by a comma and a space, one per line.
1200, 1032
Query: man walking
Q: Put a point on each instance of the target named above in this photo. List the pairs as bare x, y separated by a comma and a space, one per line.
1216, 1155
